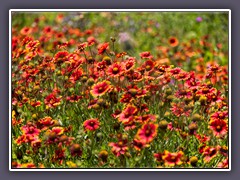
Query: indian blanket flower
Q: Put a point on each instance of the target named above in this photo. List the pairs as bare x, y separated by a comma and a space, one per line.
76, 150
158, 157
30, 130
219, 127
100, 88
32, 45
82, 46
58, 130
130, 123
209, 153
192, 84
52, 101
91, 124
101, 66
45, 122
115, 70
102, 48
173, 41
74, 98
26, 30
91, 40
146, 118
138, 144
148, 65
59, 155
76, 75
175, 71
183, 93
146, 55
127, 113
179, 109
35, 103
28, 165
147, 132
129, 63
60, 57
119, 148
204, 90
220, 115
182, 76
172, 159
223, 164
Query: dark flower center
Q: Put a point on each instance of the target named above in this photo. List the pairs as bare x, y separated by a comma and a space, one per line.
128, 65
221, 116
212, 152
100, 89
115, 70
181, 75
218, 128
172, 41
148, 67
205, 90
120, 143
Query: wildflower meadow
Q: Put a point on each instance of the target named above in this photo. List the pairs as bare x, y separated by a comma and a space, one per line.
119, 90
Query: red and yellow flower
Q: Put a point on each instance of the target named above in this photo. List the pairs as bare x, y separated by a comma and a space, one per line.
115, 70
127, 113
147, 132
172, 159
100, 88
219, 127
91, 124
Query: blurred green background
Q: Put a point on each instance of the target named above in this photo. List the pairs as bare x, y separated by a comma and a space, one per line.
143, 30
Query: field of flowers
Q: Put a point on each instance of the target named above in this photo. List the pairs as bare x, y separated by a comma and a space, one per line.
119, 90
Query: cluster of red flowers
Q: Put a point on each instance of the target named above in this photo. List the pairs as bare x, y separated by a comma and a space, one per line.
87, 95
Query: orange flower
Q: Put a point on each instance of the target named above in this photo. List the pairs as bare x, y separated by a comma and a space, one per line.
26, 30
102, 48
60, 57
173, 41
146, 54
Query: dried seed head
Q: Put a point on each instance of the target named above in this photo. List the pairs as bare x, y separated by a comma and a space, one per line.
193, 160
90, 81
196, 117
84, 79
163, 124
132, 91
113, 39
168, 91
170, 97
52, 136
107, 59
203, 100
103, 155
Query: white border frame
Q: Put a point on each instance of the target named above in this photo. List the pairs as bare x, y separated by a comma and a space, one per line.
116, 10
